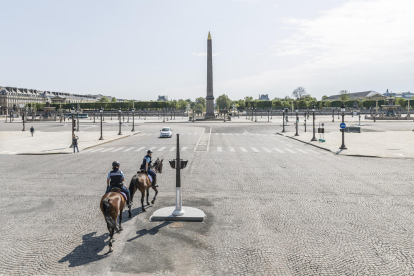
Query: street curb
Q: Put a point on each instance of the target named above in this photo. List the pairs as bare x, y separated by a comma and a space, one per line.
353, 155
51, 153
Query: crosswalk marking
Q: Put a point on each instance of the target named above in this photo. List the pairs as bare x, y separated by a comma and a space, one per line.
266, 150
243, 149
237, 134
183, 148
140, 149
288, 145
116, 150
129, 149
291, 151
98, 149
255, 150
173, 148
278, 150
152, 148
161, 149
302, 151
230, 133
223, 133
232, 149
87, 150
107, 149
315, 152
219, 149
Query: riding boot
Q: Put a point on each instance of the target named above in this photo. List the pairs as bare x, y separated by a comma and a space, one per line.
154, 182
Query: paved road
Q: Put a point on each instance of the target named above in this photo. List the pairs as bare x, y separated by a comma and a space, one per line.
273, 205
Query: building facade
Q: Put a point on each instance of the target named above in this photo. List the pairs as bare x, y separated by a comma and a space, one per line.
17, 98
264, 97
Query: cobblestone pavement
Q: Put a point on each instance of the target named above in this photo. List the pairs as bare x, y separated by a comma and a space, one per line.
282, 212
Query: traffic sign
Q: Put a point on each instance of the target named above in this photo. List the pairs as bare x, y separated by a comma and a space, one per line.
342, 125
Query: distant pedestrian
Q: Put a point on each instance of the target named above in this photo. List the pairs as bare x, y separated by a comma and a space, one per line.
75, 143
32, 130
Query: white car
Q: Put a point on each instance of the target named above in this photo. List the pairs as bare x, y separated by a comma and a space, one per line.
166, 132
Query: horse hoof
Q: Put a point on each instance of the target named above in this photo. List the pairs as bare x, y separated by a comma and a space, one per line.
120, 229
148, 203
143, 210
152, 202
130, 215
110, 250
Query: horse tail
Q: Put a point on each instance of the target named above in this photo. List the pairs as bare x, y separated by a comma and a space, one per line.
132, 187
109, 220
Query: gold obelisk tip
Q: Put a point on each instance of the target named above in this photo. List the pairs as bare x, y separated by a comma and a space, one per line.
209, 36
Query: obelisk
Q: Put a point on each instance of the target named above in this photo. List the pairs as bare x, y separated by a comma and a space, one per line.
210, 97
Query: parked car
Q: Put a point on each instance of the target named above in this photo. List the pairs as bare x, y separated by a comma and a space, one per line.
166, 132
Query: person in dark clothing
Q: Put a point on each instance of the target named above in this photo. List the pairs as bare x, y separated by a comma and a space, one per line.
115, 179
75, 143
32, 130
146, 166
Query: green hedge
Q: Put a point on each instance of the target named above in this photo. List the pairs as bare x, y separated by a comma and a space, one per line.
116, 106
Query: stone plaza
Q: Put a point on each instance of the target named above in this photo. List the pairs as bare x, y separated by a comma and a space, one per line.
274, 205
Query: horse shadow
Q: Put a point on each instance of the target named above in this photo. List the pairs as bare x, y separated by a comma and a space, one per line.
134, 212
152, 231
87, 252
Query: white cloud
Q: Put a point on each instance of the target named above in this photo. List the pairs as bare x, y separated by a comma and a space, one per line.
359, 45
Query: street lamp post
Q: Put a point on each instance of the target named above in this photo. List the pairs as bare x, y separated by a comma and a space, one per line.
359, 117
23, 117
333, 114
304, 115
163, 115
338, 114
120, 123
94, 115
287, 115
77, 118
72, 110
133, 120
268, 115
297, 123
283, 119
343, 130
101, 111
313, 138
255, 114
128, 114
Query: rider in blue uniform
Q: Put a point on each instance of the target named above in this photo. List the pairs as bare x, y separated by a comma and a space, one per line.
146, 165
115, 179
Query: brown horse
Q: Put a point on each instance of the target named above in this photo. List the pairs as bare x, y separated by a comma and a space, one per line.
141, 182
112, 204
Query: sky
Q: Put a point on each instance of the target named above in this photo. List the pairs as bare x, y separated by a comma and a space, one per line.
141, 49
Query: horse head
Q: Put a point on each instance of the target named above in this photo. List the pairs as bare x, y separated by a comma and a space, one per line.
158, 165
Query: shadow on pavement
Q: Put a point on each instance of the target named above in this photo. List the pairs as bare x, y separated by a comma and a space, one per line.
152, 231
87, 252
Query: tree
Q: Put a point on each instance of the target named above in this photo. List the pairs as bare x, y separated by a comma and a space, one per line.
248, 99
327, 103
324, 97
241, 104
104, 99
400, 101
344, 95
182, 105
298, 93
199, 108
201, 101
223, 101
113, 100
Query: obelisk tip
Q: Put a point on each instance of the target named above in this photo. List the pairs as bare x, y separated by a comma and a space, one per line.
209, 36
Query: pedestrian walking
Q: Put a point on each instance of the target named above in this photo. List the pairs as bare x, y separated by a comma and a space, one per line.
32, 130
75, 143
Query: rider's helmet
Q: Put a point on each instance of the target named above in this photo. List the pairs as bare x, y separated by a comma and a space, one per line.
115, 164
149, 151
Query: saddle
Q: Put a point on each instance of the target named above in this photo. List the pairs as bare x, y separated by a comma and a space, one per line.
117, 190
149, 176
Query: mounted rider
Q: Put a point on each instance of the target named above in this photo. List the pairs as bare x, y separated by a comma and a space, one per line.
115, 179
146, 166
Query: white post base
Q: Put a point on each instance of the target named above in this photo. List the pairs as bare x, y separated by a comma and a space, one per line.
178, 203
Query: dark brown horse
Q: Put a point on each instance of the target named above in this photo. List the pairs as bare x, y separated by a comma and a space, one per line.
141, 182
112, 204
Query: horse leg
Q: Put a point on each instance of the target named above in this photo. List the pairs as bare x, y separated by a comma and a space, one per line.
147, 197
111, 235
142, 201
155, 196
120, 220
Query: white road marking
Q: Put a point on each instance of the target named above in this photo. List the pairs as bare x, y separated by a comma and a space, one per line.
87, 150
217, 134
243, 149
117, 149
232, 149
219, 149
255, 150
161, 149
291, 151
223, 133
152, 148
195, 133
98, 149
302, 151
173, 148
183, 148
140, 149
266, 150
315, 152
107, 149
288, 145
230, 133
129, 149
278, 150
